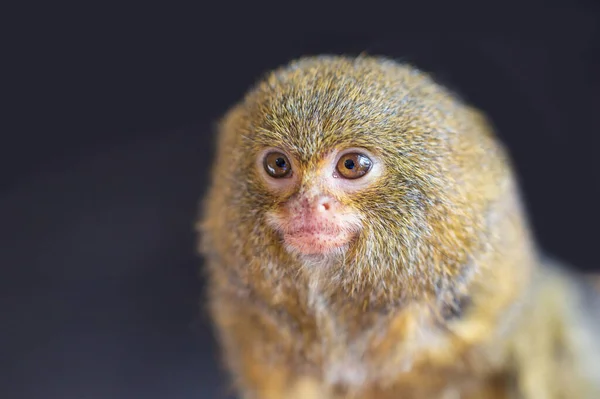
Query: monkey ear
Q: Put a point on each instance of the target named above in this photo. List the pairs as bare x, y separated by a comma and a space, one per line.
478, 115
228, 125
481, 120
231, 117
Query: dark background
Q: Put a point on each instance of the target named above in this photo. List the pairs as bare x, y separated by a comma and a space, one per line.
107, 139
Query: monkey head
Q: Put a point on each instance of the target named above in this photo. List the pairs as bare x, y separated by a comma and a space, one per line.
363, 165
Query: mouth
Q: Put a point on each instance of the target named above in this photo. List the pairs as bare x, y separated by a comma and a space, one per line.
311, 241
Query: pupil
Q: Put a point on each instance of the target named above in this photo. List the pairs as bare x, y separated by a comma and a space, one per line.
349, 164
280, 162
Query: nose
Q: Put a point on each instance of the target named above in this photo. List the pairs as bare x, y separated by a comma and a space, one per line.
312, 202
324, 204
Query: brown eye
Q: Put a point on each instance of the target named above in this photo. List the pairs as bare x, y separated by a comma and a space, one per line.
353, 165
277, 165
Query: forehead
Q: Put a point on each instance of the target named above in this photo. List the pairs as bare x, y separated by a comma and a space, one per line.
313, 106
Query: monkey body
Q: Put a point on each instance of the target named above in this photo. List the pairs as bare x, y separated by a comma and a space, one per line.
417, 280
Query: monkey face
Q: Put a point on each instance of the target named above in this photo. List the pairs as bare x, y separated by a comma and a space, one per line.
315, 218
343, 157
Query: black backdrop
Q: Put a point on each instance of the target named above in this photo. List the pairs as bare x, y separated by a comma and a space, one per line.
109, 136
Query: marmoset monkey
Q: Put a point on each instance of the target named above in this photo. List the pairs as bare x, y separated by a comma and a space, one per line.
365, 238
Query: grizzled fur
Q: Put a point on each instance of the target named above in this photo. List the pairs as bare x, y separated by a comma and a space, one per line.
433, 300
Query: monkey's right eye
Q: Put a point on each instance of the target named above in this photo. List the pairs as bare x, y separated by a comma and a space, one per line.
277, 165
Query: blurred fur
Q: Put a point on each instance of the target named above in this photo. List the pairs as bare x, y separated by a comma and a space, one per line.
442, 294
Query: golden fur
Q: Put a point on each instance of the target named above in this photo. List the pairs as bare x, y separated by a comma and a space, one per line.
443, 294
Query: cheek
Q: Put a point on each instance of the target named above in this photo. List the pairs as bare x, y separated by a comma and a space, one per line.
280, 187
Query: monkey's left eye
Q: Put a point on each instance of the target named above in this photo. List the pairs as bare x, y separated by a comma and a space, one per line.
353, 165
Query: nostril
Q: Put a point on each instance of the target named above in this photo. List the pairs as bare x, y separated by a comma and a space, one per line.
324, 206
